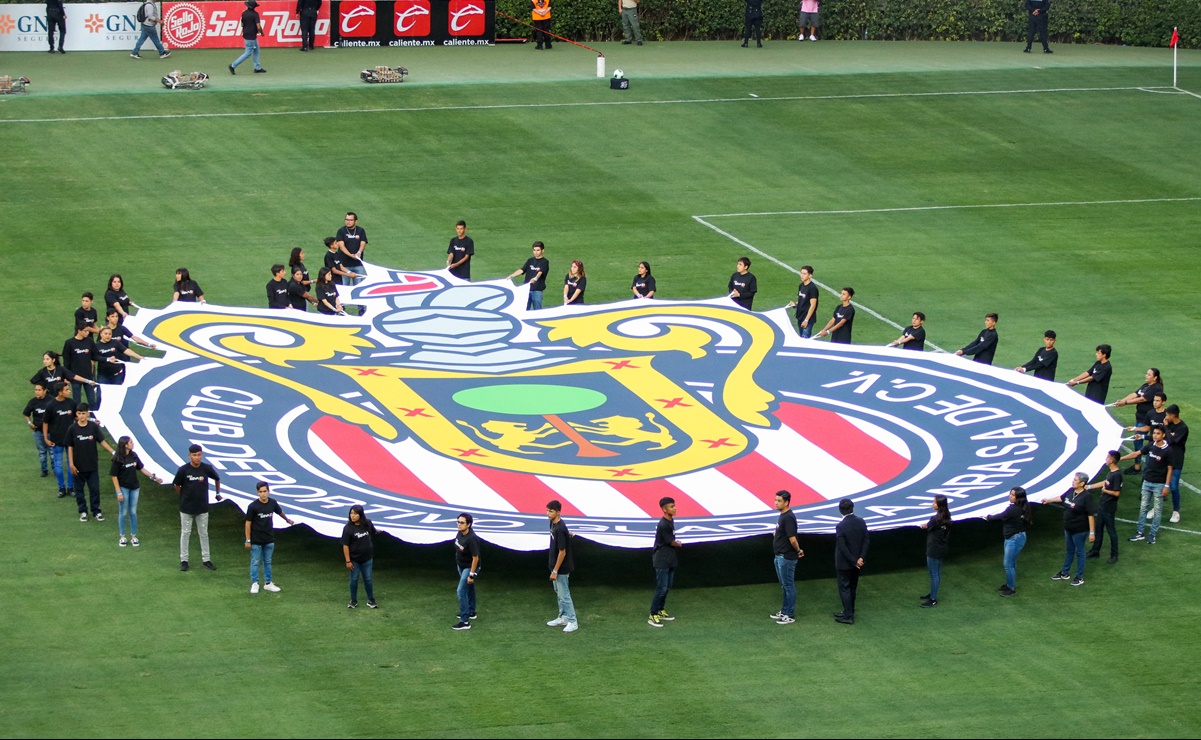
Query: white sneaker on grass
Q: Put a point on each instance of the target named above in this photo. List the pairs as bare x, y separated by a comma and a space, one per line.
1175, 517
271, 587
571, 627
556, 622
254, 587
122, 542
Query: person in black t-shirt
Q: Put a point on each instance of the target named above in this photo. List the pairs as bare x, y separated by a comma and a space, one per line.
938, 532
115, 297
985, 346
664, 561
192, 484
1107, 510
1037, 24
1045, 360
459, 252
1176, 432
35, 418
913, 336
186, 290
60, 415
352, 243
467, 561
644, 283
1141, 400
561, 564
299, 297
743, 285
1015, 520
260, 535
1156, 417
308, 10
124, 471
359, 552
277, 289
79, 352
121, 333
1097, 376
1161, 459
296, 260
86, 314
52, 372
110, 369
842, 323
1079, 524
786, 550
82, 439
535, 270
335, 261
328, 301
574, 284
252, 28
806, 303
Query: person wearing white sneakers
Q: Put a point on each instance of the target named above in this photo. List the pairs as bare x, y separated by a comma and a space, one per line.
1177, 436
809, 18
786, 551
260, 535
561, 565
124, 471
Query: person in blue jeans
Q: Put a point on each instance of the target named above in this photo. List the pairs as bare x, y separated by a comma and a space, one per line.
35, 417
786, 551
124, 471
150, 31
1177, 436
562, 565
60, 415
252, 28
664, 560
1079, 525
260, 535
938, 531
359, 550
1162, 459
467, 561
1015, 520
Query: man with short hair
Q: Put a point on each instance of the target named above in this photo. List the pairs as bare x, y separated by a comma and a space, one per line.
82, 440
35, 419
260, 535
850, 548
467, 562
1161, 458
1097, 376
86, 314
664, 560
535, 270
787, 551
252, 28
60, 415
1107, 510
841, 324
806, 302
743, 285
913, 336
192, 484
985, 346
352, 241
150, 24
277, 289
561, 566
335, 260
459, 252
1045, 360
79, 354
1177, 436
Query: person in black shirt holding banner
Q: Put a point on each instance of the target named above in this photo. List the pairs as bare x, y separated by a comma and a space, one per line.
805, 303
192, 484
467, 561
1015, 520
1079, 524
298, 292
985, 345
841, 324
352, 242
1161, 459
643, 285
1097, 376
82, 439
459, 252
743, 285
562, 564
664, 561
79, 352
124, 471
86, 314
913, 336
252, 28
1045, 360
35, 418
328, 301
260, 535
60, 415
277, 289
121, 333
1177, 435
938, 532
110, 368
308, 10
851, 541
186, 290
786, 551
1037, 23
116, 297
51, 373
1107, 511
535, 271
359, 552
1142, 400
575, 284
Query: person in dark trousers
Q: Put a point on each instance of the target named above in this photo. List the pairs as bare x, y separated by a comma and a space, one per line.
540, 11
1107, 509
307, 11
1045, 360
110, 368
850, 548
459, 252
562, 564
467, 561
1079, 524
60, 415
1097, 377
277, 288
535, 271
938, 532
192, 484
260, 535
743, 285
1177, 435
1037, 23
299, 297
985, 346
56, 17
358, 549
664, 559
1015, 520
643, 285
786, 552
1142, 400
352, 243
79, 356
83, 438
753, 23
913, 336
35, 418
842, 323
252, 28
806, 303
1161, 459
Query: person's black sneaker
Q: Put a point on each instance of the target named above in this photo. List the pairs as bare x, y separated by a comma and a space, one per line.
1048, 51
183, 565
1138, 537
45, 473
759, 44
1078, 581
209, 564
232, 71
62, 493
164, 55
1026, 51
928, 602
353, 605
1061, 576
923, 598
372, 604
52, 51
1007, 591
626, 43
745, 44
461, 626
472, 615
135, 55
1093, 554
98, 516
260, 71
1112, 559
1133, 470
639, 43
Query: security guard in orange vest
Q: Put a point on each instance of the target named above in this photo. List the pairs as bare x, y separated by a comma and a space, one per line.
541, 15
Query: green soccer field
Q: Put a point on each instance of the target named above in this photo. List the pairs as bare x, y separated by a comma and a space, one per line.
955, 179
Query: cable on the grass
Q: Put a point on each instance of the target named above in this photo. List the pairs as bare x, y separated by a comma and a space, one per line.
548, 33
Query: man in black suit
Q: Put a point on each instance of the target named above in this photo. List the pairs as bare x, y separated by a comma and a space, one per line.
850, 548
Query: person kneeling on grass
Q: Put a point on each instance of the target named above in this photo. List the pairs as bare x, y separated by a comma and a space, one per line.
260, 535
359, 552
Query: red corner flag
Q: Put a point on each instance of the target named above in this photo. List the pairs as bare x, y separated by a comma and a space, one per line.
1175, 38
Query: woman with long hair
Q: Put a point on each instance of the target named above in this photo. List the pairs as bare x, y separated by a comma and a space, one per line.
644, 283
1015, 520
938, 531
328, 302
1143, 400
116, 297
186, 289
295, 260
124, 471
52, 371
575, 284
358, 550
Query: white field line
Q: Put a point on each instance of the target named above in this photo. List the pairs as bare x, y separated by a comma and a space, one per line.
588, 104
1162, 526
846, 212
1186, 92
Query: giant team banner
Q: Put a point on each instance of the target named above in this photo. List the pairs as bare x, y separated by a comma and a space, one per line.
450, 396
413, 22
90, 27
218, 25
